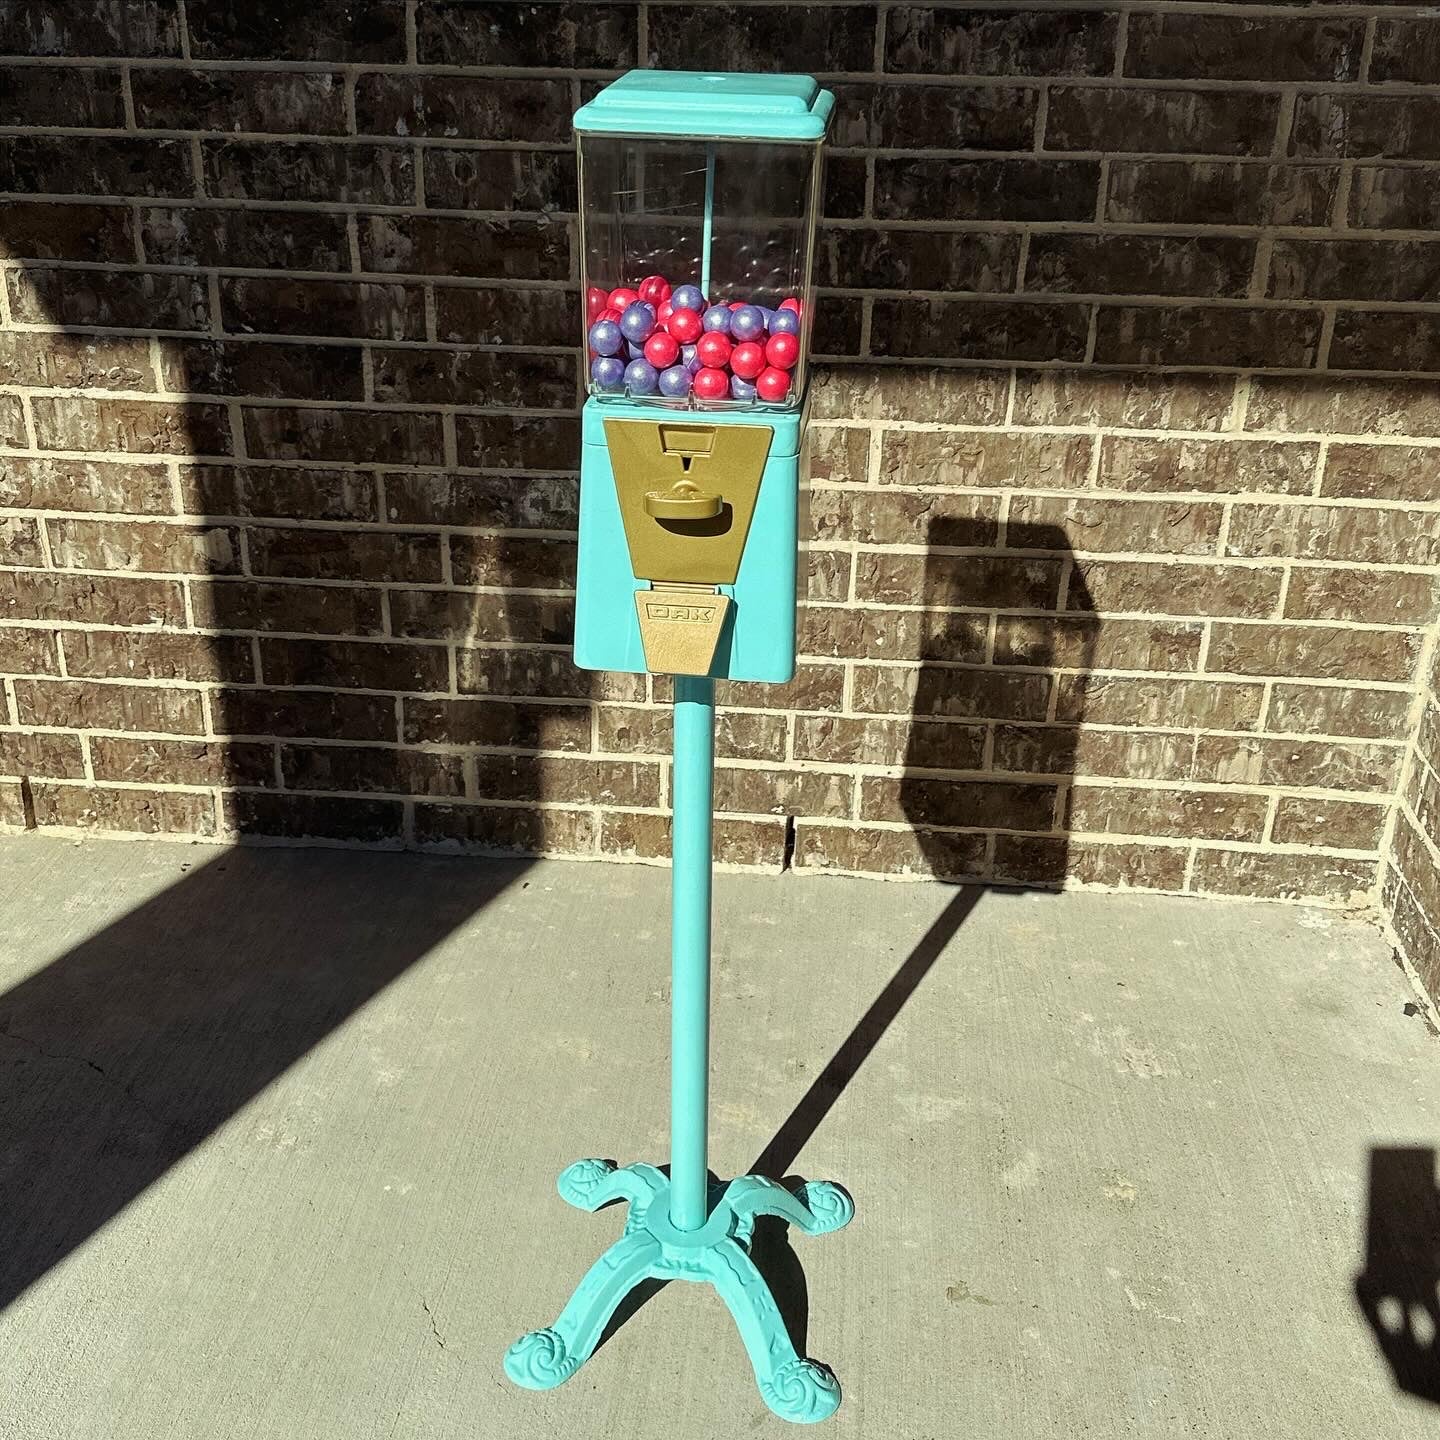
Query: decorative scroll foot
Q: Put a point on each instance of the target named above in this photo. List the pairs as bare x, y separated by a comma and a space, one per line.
796, 1389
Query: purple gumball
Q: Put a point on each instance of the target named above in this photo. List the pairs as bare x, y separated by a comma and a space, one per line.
786, 322
605, 337
690, 358
608, 372
687, 297
640, 377
741, 389
637, 322
717, 317
633, 351
746, 323
769, 315
675, 381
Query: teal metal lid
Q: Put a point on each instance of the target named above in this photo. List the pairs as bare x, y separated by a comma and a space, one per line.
700, 105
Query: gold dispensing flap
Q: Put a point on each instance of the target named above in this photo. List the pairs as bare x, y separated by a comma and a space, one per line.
687, 495
680, 627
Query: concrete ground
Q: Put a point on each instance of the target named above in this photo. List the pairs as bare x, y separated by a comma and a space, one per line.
279, 1132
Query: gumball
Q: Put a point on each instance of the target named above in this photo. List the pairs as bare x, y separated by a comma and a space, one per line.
637, 322
633, 351
768, 314
684, 325
713, 348
791, 304
741, 389
710, 384
748, 323
687, 297
782, 351
675, 381
663, 312
786, 322
654, 288
608, 372
747, 360
690, 356
736, 305
595, 302
640, 377
622, 297
605, 337
662, 350
717, 318
772, 384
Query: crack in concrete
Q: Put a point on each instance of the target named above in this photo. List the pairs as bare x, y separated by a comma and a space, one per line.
434, 1328
89, 1064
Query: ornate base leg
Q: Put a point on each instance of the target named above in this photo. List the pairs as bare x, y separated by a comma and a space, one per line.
793, 1387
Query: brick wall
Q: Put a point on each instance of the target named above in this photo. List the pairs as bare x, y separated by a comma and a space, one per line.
1133, 319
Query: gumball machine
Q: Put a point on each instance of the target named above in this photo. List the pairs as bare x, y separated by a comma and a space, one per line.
698, 200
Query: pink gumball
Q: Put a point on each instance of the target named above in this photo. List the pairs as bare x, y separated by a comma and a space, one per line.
772, 384
710, 384
655, 288
713, 348
747, 360
782, 351
684, 325
662, 350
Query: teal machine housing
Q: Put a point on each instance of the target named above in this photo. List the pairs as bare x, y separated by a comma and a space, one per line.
758, 638
699, 193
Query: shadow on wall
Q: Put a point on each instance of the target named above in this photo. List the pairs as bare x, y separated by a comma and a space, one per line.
334, 667
1399, 1289
1036, 660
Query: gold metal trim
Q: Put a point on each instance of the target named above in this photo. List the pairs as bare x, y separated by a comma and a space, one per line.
680, 627
687, 495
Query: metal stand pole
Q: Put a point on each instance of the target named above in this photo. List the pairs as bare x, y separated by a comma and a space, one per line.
682, 1227
693, 806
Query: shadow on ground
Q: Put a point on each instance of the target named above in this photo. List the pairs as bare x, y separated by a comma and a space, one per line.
1399, 1288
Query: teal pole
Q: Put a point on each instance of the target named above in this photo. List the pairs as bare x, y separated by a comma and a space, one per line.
692, 804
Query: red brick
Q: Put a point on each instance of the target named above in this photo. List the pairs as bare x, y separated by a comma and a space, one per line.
873, 850
147, 812
370, 769
85, 705
1281, 876
317, 817
182, 762
392, 437
1184, 814
634, 835
507, 829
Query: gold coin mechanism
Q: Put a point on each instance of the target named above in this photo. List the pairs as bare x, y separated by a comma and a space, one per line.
683, 501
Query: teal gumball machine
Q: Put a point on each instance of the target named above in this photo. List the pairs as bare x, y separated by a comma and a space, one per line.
698, 200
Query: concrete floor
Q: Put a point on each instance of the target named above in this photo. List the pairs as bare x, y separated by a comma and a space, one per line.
279, 1132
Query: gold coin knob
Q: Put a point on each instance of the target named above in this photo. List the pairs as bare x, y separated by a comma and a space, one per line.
684, 500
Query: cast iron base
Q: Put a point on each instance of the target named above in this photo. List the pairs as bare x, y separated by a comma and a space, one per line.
719, 1253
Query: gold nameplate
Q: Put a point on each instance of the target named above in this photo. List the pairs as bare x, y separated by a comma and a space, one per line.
687, 495
680, 627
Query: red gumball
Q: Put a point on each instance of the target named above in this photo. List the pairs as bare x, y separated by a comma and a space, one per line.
736, 304
791, 304
622, 297
782, 351
747, 360
611, 313
710, 384
662, 350
663, 312
713, 348
655, 288
595, 302
772, 384
684, 325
